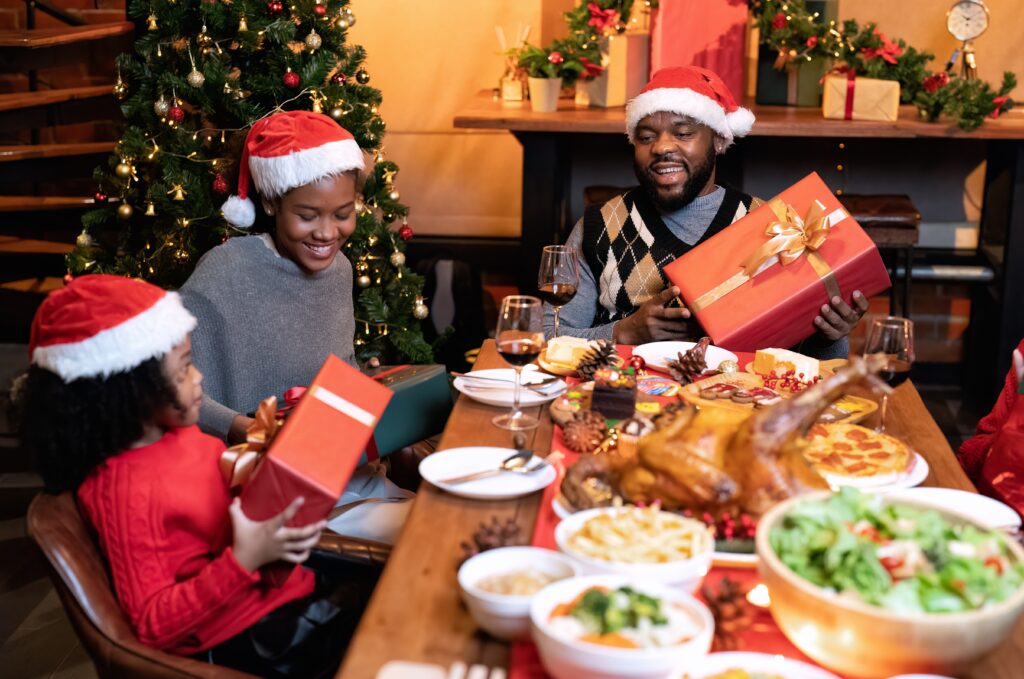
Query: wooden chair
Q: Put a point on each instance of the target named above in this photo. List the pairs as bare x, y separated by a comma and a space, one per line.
82, 582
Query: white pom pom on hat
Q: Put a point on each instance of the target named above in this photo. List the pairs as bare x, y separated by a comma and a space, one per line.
287, 150
694, 92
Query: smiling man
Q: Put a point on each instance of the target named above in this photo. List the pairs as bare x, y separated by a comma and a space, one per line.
681, 122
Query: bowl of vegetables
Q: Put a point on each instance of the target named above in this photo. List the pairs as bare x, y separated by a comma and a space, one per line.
616, 627
872, 587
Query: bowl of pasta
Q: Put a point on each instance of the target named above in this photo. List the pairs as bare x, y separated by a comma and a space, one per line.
641, 542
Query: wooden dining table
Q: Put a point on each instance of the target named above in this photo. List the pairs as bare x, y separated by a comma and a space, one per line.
416, 613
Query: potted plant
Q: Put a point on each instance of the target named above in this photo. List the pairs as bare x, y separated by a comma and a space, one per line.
548, 69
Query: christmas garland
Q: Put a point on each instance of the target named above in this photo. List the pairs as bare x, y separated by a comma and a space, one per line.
798, 35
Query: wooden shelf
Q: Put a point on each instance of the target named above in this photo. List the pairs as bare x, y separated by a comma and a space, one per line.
42, 38
487, 112
13, 154
21, 100
45, 203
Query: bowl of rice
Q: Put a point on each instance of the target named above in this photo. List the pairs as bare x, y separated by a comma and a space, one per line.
645, 543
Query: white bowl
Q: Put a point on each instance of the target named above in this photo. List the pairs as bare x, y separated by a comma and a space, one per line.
501, 615
685, 573
571, 659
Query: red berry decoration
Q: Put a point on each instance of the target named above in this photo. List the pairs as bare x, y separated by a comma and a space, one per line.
319, 10
637, 362
220, 185
275, 7
68, 278
291, 79
176, 113
338, 78
405, 233
100, 197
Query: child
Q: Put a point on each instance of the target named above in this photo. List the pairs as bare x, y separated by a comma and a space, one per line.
271, 307
110, 406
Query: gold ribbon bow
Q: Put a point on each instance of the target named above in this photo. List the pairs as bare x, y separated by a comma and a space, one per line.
238, 462
790, 237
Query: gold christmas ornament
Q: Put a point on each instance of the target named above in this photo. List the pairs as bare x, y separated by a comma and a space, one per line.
195, 78
420, 309
150, 209
152, 23
362, 77
124, 211
342, 24
363, 281
242, 25
371, 240
337, 113
313, 41
397, 259
161, 106
123, 169
178, 192
394, 195
350, 17
84, 240
120, 88
203, 39
729, 366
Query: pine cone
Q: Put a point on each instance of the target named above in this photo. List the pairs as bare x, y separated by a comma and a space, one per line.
691, 364
491, 536
585, 432
602, 354
732, 613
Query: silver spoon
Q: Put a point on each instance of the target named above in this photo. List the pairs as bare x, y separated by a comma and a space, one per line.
518, 463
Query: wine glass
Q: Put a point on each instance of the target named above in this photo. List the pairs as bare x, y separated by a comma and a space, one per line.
894, 337
520, 339
559, 277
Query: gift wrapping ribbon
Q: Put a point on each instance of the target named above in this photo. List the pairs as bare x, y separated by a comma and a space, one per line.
238, 462
790, 237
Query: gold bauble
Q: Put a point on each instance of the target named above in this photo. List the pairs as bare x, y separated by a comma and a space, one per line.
350, 16
203, 38
363, 281
120, 88
124, 211
420, 311
397, 258
337, 113
123, 170
313, 40
84, 240
362, 77
729, 366
161, 106
394, 195
195, 78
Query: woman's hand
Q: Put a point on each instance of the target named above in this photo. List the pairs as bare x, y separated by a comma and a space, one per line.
239, 429
258, 543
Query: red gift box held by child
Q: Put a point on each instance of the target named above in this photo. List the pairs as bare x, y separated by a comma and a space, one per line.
111, 402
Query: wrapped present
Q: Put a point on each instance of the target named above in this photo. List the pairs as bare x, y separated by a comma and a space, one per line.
701, 33
761, 281
848, 97
418, 409
625, 61
785, 78
315, 451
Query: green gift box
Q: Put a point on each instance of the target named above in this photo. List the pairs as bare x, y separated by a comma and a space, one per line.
419, 408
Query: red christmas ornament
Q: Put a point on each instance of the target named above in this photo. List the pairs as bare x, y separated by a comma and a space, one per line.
637, 362
275, 6
319, 10
176, 113
405, 233
68, 278
220, 185
100, 197
338, 78
291, 79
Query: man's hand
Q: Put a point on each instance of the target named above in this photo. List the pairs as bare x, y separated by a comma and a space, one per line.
652, 321
257, 543
838, 320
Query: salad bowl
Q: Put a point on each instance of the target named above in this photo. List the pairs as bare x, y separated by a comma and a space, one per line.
845, 632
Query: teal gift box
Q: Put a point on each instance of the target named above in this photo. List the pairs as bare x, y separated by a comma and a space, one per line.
419, 408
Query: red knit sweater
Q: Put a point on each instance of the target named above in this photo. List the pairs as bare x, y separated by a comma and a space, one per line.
974, 451
161, 513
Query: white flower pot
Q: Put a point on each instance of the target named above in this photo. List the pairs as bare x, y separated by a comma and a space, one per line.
544, 94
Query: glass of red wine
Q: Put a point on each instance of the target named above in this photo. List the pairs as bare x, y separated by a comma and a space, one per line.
520, 339
894, 337
559, 277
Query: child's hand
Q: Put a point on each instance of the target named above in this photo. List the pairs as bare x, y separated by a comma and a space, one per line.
261, 542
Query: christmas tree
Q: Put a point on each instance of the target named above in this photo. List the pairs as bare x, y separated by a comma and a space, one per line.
201, 72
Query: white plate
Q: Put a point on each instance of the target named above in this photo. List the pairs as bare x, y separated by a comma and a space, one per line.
716, 663
985, 510
497, 394
458, 461
658, 354
888, 482
725, 559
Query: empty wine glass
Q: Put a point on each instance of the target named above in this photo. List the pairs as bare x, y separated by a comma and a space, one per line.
520, 339
894, 337
559, 277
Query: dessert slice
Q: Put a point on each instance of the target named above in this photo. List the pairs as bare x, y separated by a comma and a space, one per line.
780, 362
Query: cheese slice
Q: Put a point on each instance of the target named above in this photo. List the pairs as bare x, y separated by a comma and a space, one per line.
566, 350
781, 361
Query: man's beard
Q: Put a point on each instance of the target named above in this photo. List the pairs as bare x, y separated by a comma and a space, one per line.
696, 180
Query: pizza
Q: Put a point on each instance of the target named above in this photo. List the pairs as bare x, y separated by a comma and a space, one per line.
849, 454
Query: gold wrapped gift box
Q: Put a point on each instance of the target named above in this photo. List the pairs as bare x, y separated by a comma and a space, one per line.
872, 99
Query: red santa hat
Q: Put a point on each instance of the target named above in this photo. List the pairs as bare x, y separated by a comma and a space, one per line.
99, 325
694, 92
288, 150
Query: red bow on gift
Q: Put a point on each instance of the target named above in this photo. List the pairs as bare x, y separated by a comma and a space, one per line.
602, 19
998, 103
291, 399
888, 51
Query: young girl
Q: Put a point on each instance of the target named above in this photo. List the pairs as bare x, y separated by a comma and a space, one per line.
110, 406
271, 307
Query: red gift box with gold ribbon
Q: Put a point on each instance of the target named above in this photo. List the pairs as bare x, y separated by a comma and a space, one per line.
315, 451
761, 281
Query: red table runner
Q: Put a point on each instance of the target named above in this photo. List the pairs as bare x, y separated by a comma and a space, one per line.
763, 636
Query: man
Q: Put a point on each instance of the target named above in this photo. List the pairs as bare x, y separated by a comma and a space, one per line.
684, 118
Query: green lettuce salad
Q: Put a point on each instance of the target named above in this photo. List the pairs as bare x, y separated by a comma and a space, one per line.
897, 557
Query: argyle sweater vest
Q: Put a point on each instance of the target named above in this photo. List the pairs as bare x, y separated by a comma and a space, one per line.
626, 244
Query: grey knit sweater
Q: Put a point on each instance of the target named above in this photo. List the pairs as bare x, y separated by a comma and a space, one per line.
264, 325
